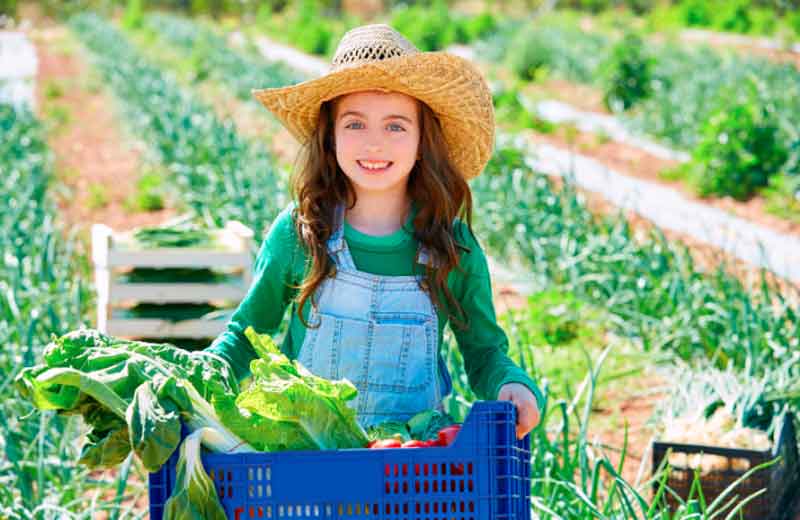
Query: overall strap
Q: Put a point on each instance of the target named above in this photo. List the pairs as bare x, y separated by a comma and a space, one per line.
337, 246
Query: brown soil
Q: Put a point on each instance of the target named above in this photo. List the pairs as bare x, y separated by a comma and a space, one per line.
627, 411
717, 40
254, 122
136, 496
92, 153
584, 97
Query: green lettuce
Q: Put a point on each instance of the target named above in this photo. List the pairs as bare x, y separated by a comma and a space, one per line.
286, 407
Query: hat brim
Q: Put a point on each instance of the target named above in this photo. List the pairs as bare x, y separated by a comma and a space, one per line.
451, 86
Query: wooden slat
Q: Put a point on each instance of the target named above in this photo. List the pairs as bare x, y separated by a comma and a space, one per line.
175, 257
155, 328
176, 292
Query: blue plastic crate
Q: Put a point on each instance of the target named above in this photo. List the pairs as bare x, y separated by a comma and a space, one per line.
483, 475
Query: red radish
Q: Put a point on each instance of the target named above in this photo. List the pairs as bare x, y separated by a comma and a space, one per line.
448, 434
386, 443
414, 444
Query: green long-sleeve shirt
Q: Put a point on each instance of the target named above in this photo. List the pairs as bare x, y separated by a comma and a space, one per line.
281, 266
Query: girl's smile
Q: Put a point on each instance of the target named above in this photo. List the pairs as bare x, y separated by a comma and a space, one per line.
374, 166
377, 139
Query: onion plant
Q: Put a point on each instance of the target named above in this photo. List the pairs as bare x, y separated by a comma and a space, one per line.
43, 291
652, 287
211, 56
219, 175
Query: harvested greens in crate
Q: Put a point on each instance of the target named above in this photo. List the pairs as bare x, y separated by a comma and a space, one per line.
718, 425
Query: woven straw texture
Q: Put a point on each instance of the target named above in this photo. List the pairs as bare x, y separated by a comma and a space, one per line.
376, 57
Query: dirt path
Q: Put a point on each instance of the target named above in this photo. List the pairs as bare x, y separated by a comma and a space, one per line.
97, 164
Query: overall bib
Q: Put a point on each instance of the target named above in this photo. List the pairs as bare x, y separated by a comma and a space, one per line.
381, 333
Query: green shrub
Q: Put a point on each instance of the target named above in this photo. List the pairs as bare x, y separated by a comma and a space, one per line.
740, 147
627, 73
309, 31
315, 38
530, 53
735, 17
430, 29
149, 194
765, 21
8, 8
477, 27
793, 19
133, 14
510, 109
697, 13
98, 196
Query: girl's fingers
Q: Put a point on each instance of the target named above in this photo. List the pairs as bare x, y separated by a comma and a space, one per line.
525, 403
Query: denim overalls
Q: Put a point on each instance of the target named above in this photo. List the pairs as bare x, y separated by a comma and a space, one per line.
381, 333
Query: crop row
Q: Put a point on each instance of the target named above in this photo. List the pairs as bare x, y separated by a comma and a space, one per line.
210, 56
220, 175
43, 291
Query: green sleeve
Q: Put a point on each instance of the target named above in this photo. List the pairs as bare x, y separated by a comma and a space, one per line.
483, 344
267, 298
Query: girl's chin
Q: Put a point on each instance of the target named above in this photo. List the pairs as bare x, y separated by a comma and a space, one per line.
380, 181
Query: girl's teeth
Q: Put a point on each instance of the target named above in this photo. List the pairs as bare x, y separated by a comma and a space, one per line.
374, 165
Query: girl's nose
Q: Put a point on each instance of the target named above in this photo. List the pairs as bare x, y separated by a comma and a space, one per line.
374, 142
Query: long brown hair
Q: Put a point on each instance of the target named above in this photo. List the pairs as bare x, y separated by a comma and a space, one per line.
438, 189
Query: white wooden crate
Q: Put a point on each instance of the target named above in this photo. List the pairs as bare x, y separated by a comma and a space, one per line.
113, 252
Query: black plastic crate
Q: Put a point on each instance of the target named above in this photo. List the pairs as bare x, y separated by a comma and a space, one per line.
781, 480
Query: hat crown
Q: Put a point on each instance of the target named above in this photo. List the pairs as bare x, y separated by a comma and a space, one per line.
371, 43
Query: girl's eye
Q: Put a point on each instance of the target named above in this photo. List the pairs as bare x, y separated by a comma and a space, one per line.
353, 124
396, 128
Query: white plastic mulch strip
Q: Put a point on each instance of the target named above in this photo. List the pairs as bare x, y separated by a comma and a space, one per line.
670, 210
311, 66
702, 35
559, 113
18, 65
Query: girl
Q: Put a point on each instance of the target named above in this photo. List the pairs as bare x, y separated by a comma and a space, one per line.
372, 257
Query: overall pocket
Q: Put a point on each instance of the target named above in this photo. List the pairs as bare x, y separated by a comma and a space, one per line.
401, 353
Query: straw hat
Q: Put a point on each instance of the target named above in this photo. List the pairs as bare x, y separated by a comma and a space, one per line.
376, 57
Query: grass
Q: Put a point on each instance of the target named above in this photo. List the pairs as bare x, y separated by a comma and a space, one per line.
559, 335
149, 194
98, 196
57, 118
53, 89
782, 198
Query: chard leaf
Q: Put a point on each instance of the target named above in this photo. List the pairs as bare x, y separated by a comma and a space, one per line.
194, 496
154, 425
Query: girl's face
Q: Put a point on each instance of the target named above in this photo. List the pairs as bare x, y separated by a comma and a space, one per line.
377, 140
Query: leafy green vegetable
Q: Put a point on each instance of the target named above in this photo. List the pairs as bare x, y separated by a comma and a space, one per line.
388, 430
130, 390
286, 407
183, 231
425, 425
193, 496
422, 427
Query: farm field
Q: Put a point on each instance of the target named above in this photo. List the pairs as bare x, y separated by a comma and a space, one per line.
637, 329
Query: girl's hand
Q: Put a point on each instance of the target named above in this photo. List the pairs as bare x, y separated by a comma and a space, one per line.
527, 409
